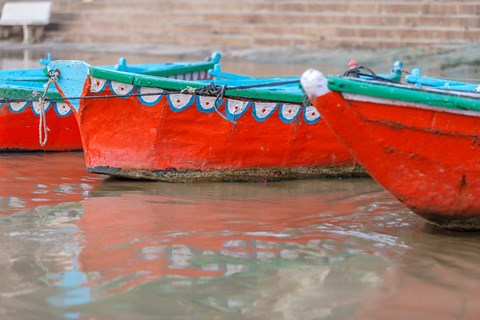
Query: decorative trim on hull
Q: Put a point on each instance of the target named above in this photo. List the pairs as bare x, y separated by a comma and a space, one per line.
61, 108
235, 108
235, 175
19, 132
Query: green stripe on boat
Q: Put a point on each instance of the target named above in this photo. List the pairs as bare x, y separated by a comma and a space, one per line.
433, 97
292, 94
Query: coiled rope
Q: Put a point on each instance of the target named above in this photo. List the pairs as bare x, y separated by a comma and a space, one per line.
365, 72
212, 90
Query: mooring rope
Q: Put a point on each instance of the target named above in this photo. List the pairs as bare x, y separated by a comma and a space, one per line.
210, 89
306, 101
218, 91
205, 90
42, 125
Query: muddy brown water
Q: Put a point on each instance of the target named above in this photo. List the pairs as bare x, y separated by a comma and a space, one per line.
75, 245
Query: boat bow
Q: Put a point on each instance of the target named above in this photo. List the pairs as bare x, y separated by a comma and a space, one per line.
71, 78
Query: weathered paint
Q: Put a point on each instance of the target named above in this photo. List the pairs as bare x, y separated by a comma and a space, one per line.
19, 121
181, 137
426, 154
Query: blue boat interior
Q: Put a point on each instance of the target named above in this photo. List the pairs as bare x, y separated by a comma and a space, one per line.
38, 74
418, 80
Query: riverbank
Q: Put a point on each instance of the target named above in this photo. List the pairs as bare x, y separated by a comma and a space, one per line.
460, 62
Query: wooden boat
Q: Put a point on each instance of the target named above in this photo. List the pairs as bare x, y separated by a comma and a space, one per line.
29, 125
241, 129
417, 79
420, 143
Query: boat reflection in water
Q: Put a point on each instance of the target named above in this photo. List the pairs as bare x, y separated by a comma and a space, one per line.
289, 250
180, 236
33, 180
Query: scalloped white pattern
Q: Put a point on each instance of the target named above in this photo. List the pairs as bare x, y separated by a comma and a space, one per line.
17, 106
290, 111
311, 113
121, 89
62, 108
180, 100
153, 94
36, 107
264, 109
207, 103
96, 85
237, 106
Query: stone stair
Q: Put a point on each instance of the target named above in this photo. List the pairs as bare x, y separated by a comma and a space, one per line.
246, 23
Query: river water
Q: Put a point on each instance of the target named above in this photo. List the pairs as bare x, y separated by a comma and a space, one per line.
75, 245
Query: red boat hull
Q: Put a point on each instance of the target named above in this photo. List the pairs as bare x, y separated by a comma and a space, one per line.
427, 157
125, 137
19, 131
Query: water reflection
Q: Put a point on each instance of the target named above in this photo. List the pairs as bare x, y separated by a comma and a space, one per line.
179, 236
36, 180
204, 230
330, 249
436, 278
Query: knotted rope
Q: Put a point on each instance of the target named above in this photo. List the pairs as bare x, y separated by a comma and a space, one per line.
212, 90
42, 125
218, 91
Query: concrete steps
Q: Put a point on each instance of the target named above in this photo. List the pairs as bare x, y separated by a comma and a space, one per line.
307, 23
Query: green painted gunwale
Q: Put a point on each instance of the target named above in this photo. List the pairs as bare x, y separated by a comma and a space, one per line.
26, 92
127, 77
263, 93
453, 100
167, 70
